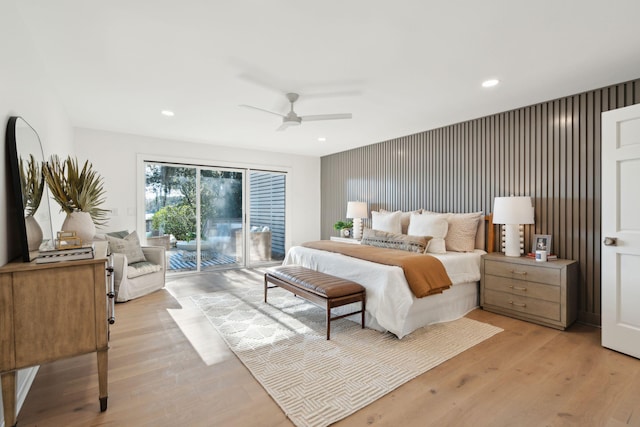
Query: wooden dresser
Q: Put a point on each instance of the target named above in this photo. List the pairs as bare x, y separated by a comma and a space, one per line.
50, 312
539, 292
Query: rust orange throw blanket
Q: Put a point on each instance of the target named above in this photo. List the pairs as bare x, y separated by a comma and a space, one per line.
425, 274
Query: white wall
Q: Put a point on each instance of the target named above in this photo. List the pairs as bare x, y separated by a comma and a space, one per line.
24, 91
114, 156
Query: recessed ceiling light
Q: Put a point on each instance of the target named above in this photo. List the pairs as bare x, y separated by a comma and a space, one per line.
167, 113
490, 83
322, 139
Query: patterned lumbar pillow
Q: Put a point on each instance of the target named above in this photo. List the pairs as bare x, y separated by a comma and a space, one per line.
383, 239
129, 246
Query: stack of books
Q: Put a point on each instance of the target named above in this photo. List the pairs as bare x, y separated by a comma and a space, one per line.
551, 257
57, 255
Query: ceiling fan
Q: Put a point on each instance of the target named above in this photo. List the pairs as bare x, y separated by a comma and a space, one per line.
292, 119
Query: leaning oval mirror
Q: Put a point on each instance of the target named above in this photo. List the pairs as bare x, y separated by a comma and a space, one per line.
31, 195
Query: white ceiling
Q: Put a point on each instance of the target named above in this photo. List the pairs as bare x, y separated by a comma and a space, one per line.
400, 67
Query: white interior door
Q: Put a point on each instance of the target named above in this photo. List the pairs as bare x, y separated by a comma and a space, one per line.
621, 230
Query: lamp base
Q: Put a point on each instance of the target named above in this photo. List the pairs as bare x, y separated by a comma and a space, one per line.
512, 240
357, 228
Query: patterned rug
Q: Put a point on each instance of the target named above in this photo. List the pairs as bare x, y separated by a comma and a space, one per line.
318, 382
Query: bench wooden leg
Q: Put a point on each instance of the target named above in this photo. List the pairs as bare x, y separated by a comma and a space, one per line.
363, 308
328, 320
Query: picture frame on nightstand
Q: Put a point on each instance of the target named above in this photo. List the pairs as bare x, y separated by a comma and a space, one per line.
541, 242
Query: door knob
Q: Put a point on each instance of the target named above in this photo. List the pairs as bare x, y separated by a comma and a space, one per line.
610, 241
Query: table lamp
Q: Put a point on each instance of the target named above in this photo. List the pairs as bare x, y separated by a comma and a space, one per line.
512, 211
357, 211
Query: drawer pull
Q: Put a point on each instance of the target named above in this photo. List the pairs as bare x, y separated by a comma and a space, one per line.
517, 304
522, 273
517, 288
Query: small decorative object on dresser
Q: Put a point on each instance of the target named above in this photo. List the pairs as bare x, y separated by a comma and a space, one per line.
541, 242
344, 228
79, 192
543, 293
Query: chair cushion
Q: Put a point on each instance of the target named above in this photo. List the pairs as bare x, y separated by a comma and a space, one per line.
141, 268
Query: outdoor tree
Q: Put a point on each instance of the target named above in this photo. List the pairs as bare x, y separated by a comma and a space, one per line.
175, 187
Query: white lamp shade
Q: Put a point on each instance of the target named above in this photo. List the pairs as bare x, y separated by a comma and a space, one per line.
357, 210
512, 210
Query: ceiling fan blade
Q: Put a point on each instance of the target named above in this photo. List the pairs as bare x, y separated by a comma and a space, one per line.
261, 109
283, 127
326, 117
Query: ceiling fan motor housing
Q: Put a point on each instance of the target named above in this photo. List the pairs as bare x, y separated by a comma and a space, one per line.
292, 119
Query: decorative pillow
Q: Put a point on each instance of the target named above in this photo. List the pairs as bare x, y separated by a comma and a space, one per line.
461, 236
435, 226
382, 239
141, 268
130, 246
405, 217
386, 221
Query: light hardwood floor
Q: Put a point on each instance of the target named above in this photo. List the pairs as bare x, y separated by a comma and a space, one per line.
168, 366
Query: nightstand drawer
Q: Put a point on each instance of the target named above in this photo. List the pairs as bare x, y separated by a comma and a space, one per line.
522, 272
530, 306
523, 288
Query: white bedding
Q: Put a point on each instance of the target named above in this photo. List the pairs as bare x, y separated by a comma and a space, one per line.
390, 304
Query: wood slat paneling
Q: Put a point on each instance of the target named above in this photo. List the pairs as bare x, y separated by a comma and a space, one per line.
549, 151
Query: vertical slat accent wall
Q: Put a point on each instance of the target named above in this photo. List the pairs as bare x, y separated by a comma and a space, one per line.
549, 151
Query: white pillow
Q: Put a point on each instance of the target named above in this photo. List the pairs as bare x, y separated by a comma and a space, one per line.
405, 217
386, 221
435, 226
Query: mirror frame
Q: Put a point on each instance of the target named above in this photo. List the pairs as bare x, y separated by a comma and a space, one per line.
14, 164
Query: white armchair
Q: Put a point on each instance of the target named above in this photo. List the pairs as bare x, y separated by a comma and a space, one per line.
132, 282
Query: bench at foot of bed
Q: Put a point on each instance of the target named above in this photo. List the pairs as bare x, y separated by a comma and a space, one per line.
319, 288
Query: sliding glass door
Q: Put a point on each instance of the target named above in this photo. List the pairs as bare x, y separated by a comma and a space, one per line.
267, 217
198, 213
221, 217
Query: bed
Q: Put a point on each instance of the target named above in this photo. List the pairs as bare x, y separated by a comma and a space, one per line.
391, 306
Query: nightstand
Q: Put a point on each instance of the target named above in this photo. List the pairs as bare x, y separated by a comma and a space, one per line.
345, 240
538, 292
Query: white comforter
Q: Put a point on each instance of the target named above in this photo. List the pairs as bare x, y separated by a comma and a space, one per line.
389, 299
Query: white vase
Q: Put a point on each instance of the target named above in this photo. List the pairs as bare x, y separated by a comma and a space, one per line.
82, 224
34, 233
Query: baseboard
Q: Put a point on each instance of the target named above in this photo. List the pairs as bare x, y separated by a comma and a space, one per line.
24, 381
590, 318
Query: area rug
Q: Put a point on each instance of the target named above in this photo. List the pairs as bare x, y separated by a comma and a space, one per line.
318, 382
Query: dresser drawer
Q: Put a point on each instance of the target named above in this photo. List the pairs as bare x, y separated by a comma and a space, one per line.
520, 304
522, 272
523, 288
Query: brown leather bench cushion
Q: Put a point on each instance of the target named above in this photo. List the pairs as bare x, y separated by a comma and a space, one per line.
319, 283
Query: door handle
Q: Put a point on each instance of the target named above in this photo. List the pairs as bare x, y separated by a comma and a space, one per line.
610, 241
